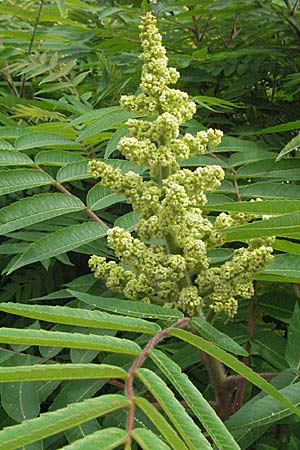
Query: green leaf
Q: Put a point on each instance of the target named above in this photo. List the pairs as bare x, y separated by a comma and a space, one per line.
292, 145
285, 169
53, 422
114, 141
270, 190
232, 144
284, 225
20, 400
148, 440
161, 423
271, 304
94, 115
14, 180
107, 439
200, 407
12, 158
60, 241
234, 364
60, 372
4, 145
128, 221
217, 337
128, 307
265, 410
35, 209
276, 207
100, 197
13, 132
183, 423
295, 125
44, 139
239, 159
80, 317
107, 122
75, 171
270, 346
293, 344
68, 340
57, 158
284, 268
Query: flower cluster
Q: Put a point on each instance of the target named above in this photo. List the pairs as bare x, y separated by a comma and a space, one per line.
167, 261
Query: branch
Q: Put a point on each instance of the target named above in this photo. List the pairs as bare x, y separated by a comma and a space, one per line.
129, 392
61, 188
35, 27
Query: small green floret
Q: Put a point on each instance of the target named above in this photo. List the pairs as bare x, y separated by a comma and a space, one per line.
175, 272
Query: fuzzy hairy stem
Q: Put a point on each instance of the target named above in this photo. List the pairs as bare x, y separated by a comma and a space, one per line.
129, 391
217, 375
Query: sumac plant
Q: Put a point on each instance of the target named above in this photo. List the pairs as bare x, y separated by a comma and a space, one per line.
171, 288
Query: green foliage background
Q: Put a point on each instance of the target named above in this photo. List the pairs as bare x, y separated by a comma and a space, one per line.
65, 338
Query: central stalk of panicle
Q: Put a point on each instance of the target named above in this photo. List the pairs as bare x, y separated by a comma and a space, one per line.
167, 262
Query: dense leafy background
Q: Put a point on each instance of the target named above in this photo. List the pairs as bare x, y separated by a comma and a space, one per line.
64, 65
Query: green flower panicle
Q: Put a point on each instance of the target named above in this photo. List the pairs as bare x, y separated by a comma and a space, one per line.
166, 262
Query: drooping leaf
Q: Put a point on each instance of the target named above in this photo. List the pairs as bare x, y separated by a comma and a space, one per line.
60, 241
53, 422
36, 209
81, 317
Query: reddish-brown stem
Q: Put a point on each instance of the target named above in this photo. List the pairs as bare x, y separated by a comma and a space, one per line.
251, 324
7, 76
117, 383
236, 186
61, 188
233, 31
202, 34
129, 391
